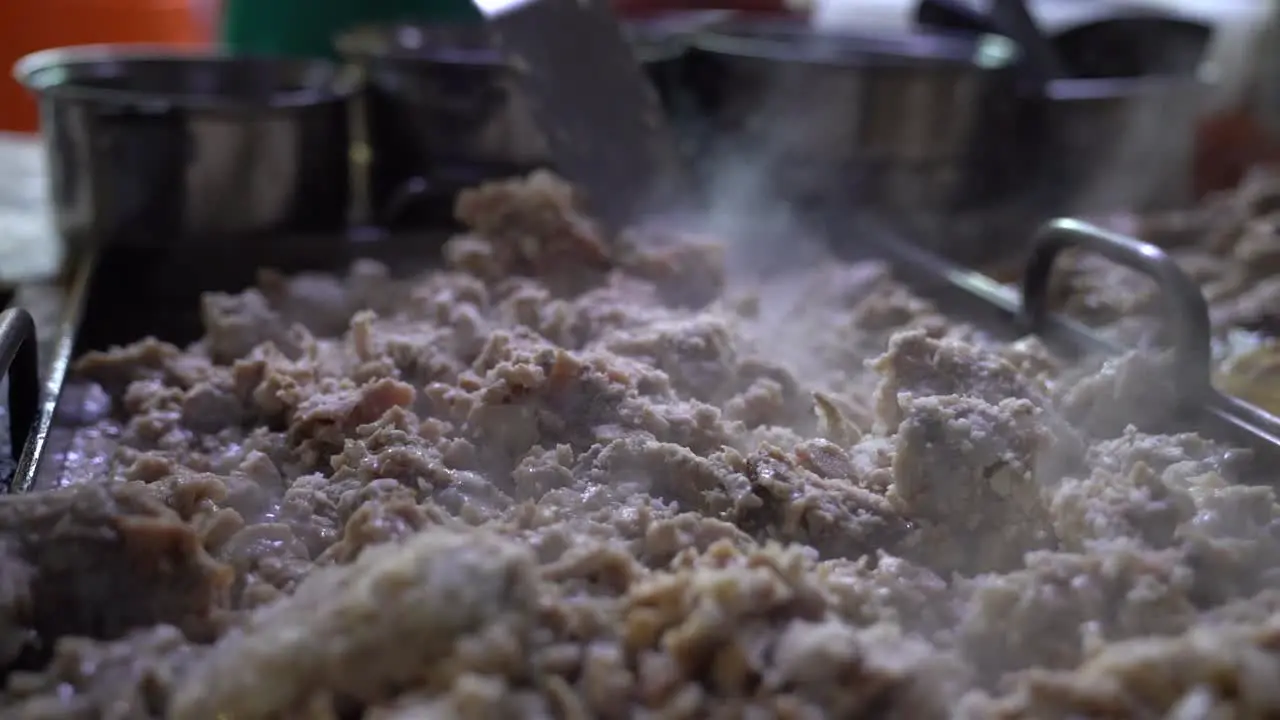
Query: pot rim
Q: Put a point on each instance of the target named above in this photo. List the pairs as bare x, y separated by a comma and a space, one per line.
406, 42
798, 43
45, 74
1120, 88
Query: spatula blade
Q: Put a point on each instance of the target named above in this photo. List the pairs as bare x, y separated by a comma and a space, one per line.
604, 122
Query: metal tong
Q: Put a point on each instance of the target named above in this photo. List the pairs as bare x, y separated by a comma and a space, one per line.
35, 383
20, 364
1186, 315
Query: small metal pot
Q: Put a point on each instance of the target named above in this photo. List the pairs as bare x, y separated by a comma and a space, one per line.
150, 147
912, 129
1133, 45
442, 111
1122, 128
1120, 144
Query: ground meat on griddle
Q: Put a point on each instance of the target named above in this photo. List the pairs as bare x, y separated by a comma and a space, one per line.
686, 272
1211, 671
91, 679
100, 561
966, 470
361, 632
531, 225
563, 477
918, 365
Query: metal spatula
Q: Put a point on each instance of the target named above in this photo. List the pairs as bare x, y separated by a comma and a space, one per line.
604, 122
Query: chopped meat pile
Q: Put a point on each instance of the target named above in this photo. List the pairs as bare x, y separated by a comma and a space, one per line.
561, 478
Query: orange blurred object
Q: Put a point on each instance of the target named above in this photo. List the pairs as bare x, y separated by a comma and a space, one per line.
30, 25
1227, 146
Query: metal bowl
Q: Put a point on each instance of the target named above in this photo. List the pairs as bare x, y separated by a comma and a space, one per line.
913, 129
443, 111
149, 147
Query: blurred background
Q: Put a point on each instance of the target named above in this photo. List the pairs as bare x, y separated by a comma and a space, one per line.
309, 26
922, 117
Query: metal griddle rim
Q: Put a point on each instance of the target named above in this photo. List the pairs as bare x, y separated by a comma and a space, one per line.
55, 370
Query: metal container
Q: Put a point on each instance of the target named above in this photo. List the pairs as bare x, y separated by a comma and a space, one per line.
1133, 44
150, 147
1120, 144
442, 112
915, 130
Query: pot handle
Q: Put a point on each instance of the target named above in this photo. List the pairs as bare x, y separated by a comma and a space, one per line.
20, 362
1185, 310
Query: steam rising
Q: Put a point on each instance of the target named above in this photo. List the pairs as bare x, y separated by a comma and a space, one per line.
1135, 136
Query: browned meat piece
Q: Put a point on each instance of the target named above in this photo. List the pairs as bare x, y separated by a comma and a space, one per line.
1210, 672
1255, 306
686, 273
238, 323
968, 469
838, 516
529, 227
697, 354
99, 561
1060, 606
16, 577
89, 680
1132, 389
321, 303
116, 369
1172, 229
361, 631
918, 365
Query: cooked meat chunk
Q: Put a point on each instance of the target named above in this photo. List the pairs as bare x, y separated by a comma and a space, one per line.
968, 469
132, 677
359, 632
100, 561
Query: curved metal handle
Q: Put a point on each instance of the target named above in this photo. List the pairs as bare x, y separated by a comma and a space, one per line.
1186, 312
19, 360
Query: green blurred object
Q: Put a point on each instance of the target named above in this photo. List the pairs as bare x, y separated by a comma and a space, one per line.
308, 27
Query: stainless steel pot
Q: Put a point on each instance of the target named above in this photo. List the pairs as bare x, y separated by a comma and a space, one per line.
1133, 44
1120, 144
149, 147
442, 111
914, 129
